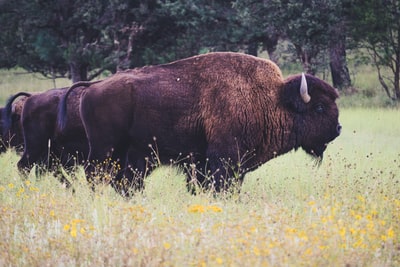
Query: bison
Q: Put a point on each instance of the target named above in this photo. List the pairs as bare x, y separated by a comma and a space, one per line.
41, 137
10, 125
220, 115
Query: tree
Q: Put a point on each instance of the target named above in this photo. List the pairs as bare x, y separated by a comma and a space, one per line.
82, 39
312, 27
258, 26
18, 49
188, 27
337, 47
337, 58
67, 36
376, 26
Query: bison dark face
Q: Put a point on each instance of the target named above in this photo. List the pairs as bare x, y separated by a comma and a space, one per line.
315, 112
11, 132
2, 147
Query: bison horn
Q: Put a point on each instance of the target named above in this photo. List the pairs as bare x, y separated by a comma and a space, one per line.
304, 90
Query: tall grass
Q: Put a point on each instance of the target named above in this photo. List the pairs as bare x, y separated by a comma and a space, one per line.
290, 212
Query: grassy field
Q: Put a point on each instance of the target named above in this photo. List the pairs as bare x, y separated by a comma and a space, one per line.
346, 212
18, 80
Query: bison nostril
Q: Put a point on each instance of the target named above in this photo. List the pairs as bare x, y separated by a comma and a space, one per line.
339, 128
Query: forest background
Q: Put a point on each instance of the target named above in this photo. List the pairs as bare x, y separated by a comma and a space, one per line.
81, 41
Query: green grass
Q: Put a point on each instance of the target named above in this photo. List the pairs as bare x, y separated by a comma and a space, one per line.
346, 212
18, 80
289, 212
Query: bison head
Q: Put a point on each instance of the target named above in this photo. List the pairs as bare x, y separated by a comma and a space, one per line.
2, 147
311, 103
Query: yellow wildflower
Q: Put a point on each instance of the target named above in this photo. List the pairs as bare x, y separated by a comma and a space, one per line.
342, 232
196, 209
201, 209
256, 251
390, 233
361, 198
76, 221
291, 230
214, 208
20, 192
34, 189
74, 231
308, 252
167, 245
67, 227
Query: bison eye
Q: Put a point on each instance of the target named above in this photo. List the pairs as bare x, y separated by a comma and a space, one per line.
319, 108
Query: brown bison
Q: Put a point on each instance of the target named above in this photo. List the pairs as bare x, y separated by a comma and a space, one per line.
10, 125
43, 142
221, 115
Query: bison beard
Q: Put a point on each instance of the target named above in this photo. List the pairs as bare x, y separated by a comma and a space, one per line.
220, 115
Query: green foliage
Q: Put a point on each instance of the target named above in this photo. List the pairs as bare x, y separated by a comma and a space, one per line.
376, 26
187, 27
82, 38
308, 25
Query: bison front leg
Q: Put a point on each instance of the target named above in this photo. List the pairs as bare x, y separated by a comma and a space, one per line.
34, 153
131, 177
217, 172
223, 173
102, 166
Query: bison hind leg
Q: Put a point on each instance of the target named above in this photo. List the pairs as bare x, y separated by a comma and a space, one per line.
129, 181
136, 168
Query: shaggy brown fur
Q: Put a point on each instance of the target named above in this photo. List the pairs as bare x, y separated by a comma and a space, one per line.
39, 118
227, 113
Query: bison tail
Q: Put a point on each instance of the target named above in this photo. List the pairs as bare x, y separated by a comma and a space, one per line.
62, 108
62, 111
7, 111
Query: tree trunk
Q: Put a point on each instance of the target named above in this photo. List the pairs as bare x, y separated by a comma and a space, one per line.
252, 49
305, 59
397, 68
78, 71
338, 64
